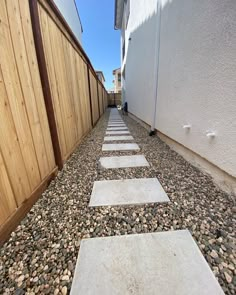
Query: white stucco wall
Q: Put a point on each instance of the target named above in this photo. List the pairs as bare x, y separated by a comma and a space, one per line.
197, 73
68, 10
139, 58
197, 78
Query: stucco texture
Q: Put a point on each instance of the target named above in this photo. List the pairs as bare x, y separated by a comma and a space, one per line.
197, 78
140, 51
196, 75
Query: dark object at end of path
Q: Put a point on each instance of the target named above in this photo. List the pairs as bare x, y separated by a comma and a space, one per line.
152, 132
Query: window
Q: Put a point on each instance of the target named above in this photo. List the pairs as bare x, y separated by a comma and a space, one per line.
119, 77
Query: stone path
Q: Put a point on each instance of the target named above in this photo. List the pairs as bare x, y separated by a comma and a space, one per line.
127, 192
120, 147
41, 254
116, 125
169, 262
123, 161
118, 138
116, 128
117, 132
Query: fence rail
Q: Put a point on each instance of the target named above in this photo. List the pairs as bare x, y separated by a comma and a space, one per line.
50, 98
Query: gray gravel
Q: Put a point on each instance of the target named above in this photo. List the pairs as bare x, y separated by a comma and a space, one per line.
40, 256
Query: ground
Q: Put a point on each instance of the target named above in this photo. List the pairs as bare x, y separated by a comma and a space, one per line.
40, 256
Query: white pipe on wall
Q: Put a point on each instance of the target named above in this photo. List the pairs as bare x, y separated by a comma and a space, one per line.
186, 126
156, 65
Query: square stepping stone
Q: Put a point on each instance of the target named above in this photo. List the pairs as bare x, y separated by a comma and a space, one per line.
121, 137
116, 119
111, 126
123, 161
116, 124
127, 192
120, 147
116, 128
163, 263
115, 132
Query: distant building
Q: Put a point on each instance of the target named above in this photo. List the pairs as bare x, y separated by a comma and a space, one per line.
100, 76
70, 13
117, 80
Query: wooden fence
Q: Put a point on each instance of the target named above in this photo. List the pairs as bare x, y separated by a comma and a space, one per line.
50, 98
114, 99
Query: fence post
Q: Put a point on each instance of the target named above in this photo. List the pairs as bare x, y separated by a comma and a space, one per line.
98, 100
38, 42
90, 97
102, 100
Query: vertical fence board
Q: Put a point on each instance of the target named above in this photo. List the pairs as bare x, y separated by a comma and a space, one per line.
57, 53
69, 99
94, 96
36, 83
86, 96
90, 95
9, 144
76, 93
13, 87
27, 88
80, 97
100, 98
53, 80
7, 199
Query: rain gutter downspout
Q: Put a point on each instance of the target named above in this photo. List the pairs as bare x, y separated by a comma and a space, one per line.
156, 67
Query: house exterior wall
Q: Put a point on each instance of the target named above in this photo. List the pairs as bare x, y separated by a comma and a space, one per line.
196, 73
100, 77
117, 83
68, 10
139, 58
197, 78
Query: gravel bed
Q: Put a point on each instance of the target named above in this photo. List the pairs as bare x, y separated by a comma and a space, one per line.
40, 256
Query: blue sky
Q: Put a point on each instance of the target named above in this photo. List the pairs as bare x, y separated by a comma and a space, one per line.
100, 41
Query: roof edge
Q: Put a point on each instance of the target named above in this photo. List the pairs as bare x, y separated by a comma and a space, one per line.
101, 73
76, 7
118, 13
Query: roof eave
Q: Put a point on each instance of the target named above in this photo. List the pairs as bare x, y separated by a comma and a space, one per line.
118, 14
